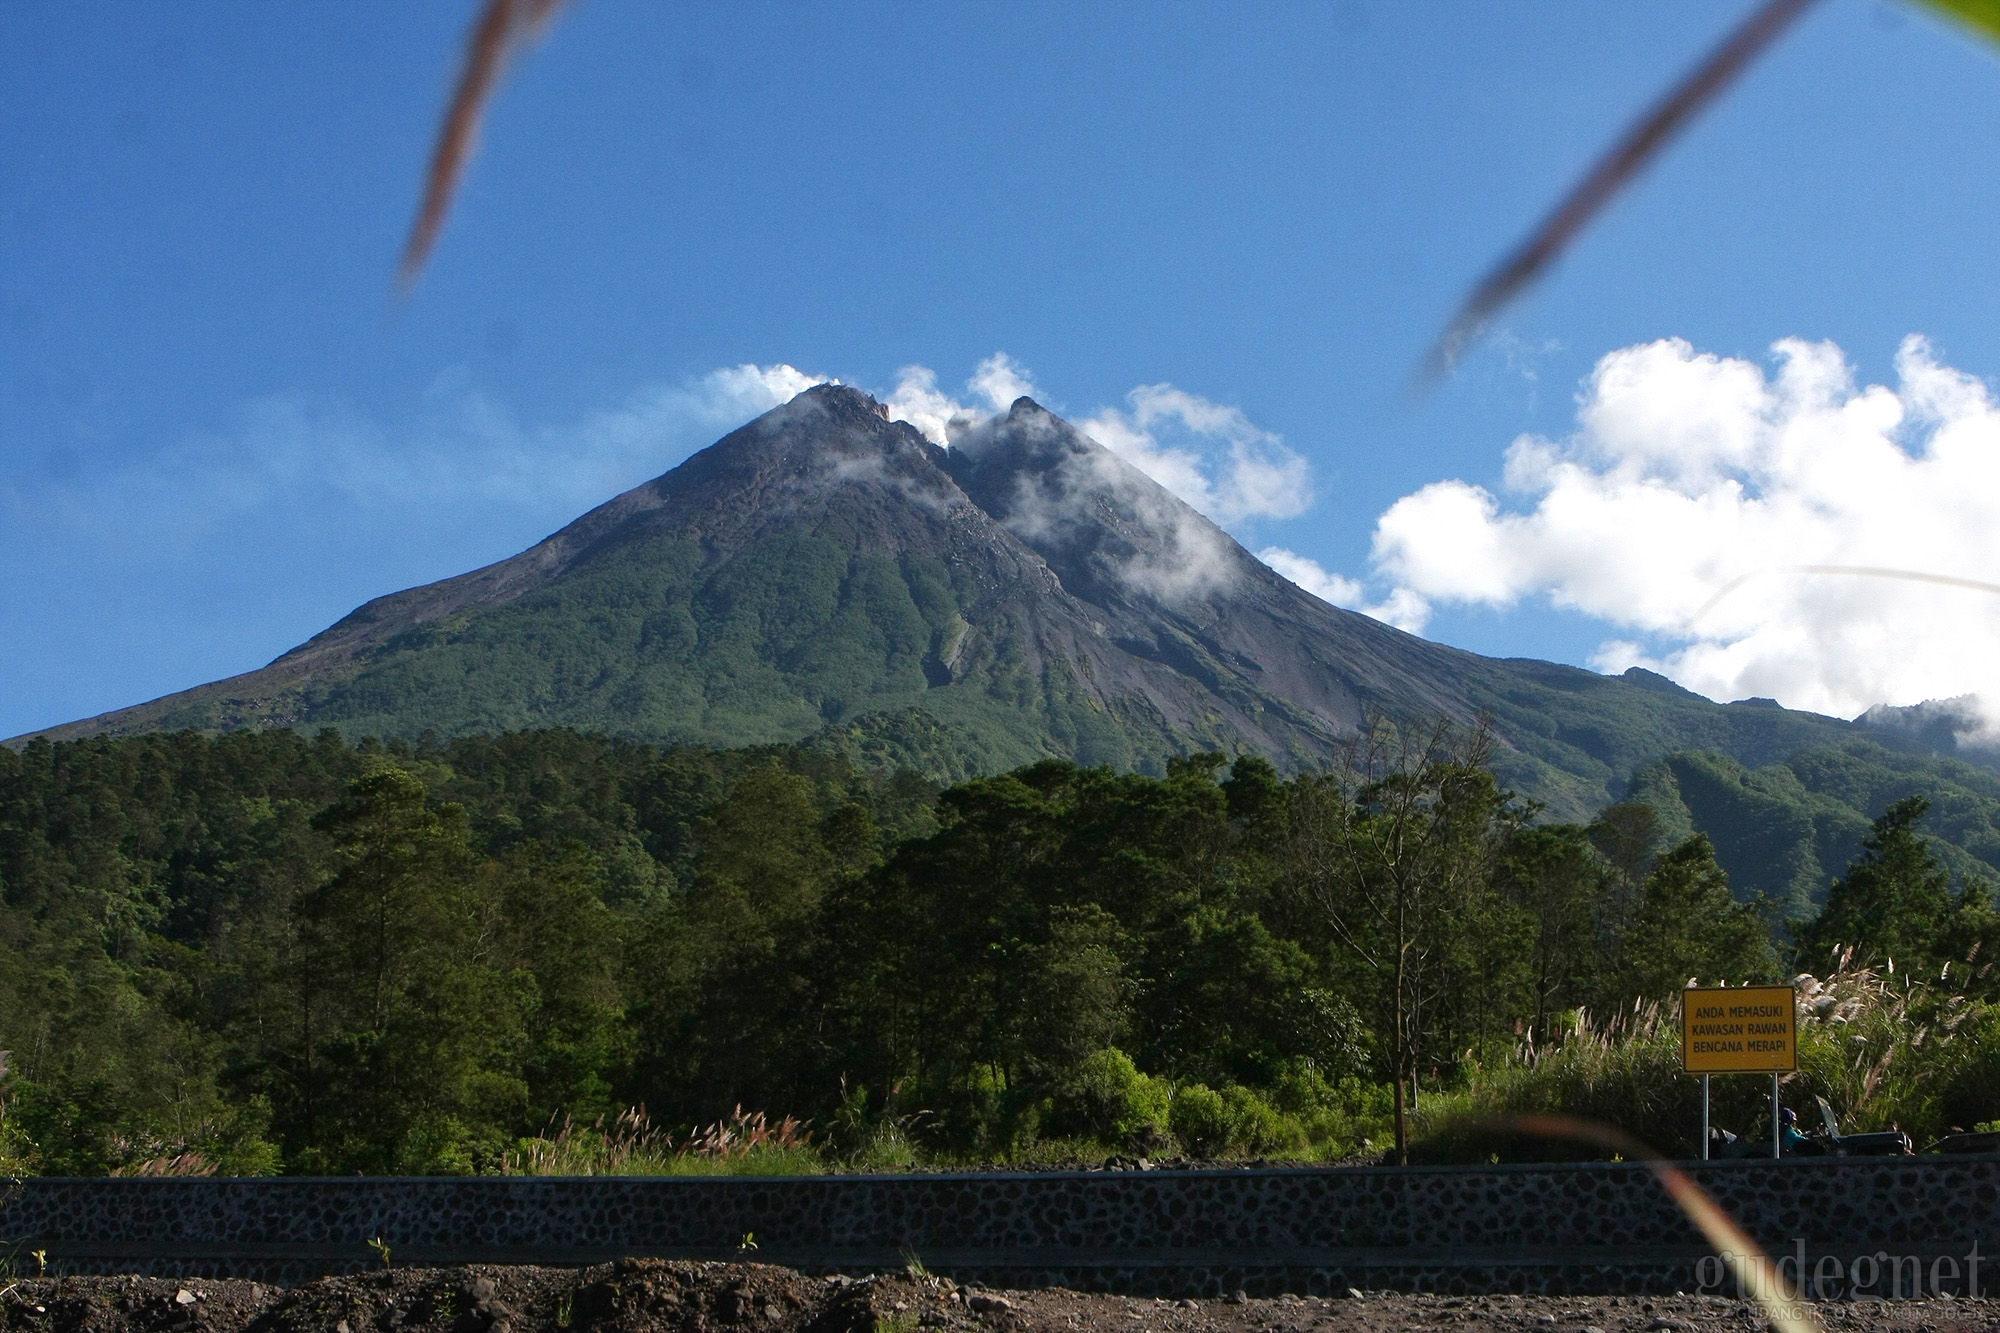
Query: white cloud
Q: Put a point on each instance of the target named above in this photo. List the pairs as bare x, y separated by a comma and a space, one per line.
1210, 455
1402, 608
463, 452
1693, 475
998, 381
1314, 578
919, 401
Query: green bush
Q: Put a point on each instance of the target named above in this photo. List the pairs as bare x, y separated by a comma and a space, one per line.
768, 1159
1235, 1120
888, 1148
438, 1145
1258, 1128
1200, 1120
1336, 1118
1108, 1099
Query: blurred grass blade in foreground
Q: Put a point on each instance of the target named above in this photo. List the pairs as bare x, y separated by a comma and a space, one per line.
1786, 1311
1633, 152
1857, 571
502, 29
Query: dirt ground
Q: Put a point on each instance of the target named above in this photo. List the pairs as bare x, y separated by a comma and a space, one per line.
644, 1295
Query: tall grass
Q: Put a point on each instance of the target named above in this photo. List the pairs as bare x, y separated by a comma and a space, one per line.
1624, 1071
631, 1145
1884, 1048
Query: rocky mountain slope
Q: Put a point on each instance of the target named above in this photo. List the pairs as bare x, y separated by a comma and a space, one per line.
824, 571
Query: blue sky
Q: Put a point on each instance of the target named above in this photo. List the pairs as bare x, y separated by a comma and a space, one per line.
220, 431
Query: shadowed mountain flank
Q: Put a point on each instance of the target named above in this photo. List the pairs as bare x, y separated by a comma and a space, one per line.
825, 571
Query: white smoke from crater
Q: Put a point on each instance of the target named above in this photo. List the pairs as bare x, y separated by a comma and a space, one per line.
1210, 455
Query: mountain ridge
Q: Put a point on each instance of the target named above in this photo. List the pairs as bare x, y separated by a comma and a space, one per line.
823, 568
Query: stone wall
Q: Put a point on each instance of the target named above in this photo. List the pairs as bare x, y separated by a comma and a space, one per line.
1563, 1228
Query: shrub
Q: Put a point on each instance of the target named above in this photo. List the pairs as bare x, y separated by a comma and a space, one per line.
1110, 1100
1959, 1087
1200, 1120
885, 1148
1882, 1048
437, 1145
1256, 1127
1886, 1048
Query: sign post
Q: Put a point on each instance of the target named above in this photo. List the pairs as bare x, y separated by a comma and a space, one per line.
1740, 1030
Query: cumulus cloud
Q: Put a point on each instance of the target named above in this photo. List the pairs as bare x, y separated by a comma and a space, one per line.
918, 400
997, 382
1314, 577
1000, 380
1700, 503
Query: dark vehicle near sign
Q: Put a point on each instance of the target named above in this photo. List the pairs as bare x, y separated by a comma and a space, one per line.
1830, 1142
1886, 1143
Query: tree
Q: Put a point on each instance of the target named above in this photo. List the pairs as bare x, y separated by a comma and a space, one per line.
1394, 850
562, 946
1690, 926
1556, 880
724, 984
1626, 835
407, 1038
1895, 900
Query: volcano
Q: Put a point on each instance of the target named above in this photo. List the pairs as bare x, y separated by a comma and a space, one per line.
827, 574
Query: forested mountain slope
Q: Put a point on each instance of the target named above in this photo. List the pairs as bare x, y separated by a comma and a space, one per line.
1786, 829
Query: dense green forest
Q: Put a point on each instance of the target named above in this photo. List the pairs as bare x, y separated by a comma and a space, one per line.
1788, 828
263, 952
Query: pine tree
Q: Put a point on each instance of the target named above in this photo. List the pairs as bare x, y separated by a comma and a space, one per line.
1895, 901
1690, 926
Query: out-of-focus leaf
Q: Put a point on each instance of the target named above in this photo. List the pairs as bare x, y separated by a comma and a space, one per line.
1983, 16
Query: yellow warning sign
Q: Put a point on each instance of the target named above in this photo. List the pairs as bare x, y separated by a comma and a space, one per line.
1739, 1030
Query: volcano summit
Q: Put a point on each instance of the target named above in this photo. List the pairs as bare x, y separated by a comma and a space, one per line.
827, 572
